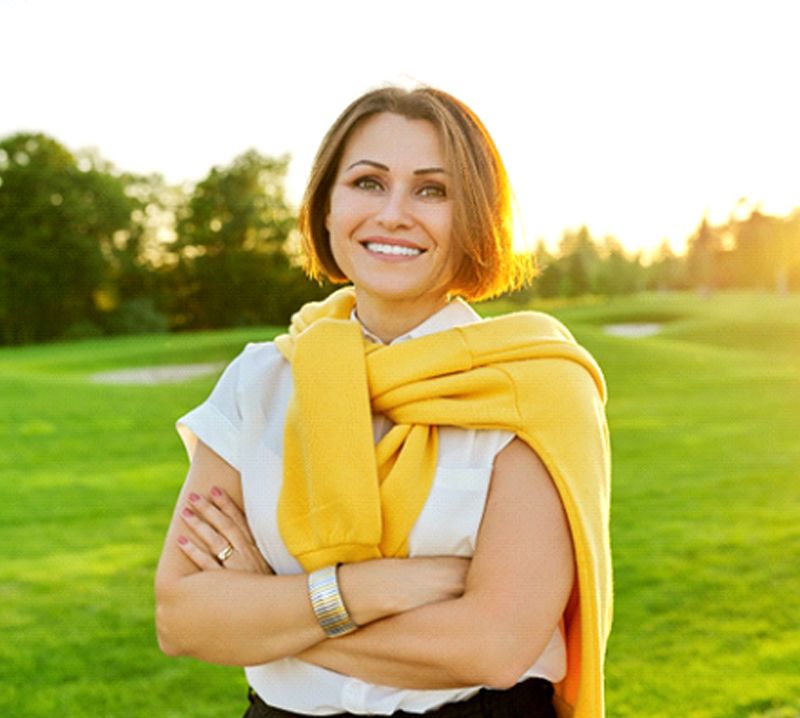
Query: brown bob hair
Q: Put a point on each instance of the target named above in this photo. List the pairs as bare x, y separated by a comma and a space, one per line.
482, 210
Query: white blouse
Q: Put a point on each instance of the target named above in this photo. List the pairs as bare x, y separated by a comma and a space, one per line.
242, 421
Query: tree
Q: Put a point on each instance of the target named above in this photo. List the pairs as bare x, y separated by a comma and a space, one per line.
550, 277
618, 273
579, 262
233, 265
136, 293
666, 270
754, 251
58, 223
762, 250
702, 257
788, 275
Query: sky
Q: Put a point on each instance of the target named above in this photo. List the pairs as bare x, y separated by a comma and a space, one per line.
636, 118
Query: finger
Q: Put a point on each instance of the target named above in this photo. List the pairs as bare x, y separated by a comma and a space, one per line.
219, 521
225, 504
199, 557
215, 542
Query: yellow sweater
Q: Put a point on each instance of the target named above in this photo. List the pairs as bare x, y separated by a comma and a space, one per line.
345, 499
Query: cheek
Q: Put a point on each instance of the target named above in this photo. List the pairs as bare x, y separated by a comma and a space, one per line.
330, 210
338, 245
442, 226
449, 244
342, 214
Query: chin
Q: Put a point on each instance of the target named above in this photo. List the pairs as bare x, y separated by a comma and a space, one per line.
402, 287
396, 291
397, 295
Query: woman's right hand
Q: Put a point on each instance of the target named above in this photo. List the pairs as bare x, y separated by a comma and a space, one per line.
383, 587
218, 522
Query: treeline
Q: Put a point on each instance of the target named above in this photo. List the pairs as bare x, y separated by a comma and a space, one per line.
88, 250
758, 251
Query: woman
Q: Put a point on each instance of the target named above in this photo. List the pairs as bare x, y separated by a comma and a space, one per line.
398, 507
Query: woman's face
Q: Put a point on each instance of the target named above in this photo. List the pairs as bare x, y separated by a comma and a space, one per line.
390, 212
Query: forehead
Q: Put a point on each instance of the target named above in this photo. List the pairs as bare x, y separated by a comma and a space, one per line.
396, 141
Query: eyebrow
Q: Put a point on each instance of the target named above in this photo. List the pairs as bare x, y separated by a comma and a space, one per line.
380, 166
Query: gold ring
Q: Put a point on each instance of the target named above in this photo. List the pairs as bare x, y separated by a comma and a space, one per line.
225, 554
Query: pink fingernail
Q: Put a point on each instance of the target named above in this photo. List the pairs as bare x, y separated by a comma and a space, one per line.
188, 513
182, 540
194, 497
215, 491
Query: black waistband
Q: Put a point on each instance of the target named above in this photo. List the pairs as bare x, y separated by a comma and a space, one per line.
532, 698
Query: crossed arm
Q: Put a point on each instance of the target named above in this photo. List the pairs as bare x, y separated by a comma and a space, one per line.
427, 622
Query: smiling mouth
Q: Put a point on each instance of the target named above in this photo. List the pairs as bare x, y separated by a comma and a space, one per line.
396, 250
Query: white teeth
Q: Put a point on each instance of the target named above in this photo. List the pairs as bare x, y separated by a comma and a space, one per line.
392, 249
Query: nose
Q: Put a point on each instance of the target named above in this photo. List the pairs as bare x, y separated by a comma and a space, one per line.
394, 211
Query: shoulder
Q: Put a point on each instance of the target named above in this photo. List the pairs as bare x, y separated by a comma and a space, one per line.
257, 370
258, 356
258, 362
535, 336
533, 324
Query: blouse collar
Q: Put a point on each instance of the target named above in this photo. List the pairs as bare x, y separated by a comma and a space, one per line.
453, 314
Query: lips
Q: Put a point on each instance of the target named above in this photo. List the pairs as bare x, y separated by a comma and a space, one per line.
392, 247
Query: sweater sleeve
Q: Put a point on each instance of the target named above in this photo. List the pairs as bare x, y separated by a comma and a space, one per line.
217, 421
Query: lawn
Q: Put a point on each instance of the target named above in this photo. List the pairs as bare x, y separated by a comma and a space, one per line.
705, 420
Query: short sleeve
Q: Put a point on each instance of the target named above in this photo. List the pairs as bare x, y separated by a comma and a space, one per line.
217, 421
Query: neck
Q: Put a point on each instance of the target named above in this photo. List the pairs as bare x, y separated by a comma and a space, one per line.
388, 319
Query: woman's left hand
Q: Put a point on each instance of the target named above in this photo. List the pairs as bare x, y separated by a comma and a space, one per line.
220, 537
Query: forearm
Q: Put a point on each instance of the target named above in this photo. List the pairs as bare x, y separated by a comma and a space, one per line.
236, 618
450, 644
243, 618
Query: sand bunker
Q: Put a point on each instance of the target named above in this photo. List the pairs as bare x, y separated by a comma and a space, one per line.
633, 330
156, 374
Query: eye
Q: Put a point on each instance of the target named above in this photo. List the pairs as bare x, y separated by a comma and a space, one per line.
433, 190
367, 183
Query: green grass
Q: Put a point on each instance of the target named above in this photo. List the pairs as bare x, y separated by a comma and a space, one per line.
705, 422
